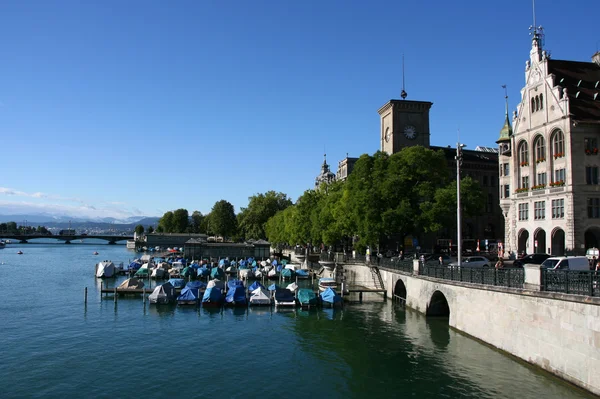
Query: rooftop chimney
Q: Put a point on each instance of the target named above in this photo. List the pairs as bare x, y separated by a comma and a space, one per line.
596, 58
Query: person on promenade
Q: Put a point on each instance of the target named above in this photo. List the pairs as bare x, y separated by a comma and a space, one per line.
500, 263
441, 260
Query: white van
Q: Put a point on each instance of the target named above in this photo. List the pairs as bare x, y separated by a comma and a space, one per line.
566, 263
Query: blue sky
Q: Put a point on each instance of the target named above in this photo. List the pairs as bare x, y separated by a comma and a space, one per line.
121, 108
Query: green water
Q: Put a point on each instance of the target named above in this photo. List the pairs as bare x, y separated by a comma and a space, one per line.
54, 346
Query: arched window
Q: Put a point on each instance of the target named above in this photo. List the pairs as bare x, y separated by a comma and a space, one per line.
523, 154
541, 101
558, 144
532, 104
540, 149
537, 103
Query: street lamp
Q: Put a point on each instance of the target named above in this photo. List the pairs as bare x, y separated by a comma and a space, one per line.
458, 158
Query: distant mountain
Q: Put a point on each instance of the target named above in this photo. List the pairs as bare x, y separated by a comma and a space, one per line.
63, 220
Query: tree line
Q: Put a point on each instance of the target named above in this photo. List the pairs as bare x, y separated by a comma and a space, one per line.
408, 193
13, 228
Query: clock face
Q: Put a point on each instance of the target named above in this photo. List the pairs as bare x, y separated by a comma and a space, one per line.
388, 134
410, 132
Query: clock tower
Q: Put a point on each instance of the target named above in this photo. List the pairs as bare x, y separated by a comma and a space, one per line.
404, 123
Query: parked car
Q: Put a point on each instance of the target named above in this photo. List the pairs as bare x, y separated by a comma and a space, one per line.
566, 263
535, 259
473, 261
436, 257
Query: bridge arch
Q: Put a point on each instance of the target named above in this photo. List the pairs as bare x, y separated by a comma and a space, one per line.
438, 305
400, 289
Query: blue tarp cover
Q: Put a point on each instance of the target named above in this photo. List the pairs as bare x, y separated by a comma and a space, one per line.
243, 264
255, 285
236, 294
330, 296
195, 266
217, 273
287, 273
188, 294
134, 266
235, 283
306, 296
274, 263
203, 272
212, 295
224, 262
187, 272
273, 287
177, 282
284, 295
196, 284
302, 272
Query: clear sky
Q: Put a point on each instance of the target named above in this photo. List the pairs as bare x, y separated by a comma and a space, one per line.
121, 108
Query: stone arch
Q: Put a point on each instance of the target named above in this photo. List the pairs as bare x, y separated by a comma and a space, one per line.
400, 289
540, 236
523, 241
558, 242
438, 306
592, 238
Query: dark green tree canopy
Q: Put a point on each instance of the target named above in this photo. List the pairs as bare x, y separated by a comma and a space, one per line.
223, 221
261, 207
139, 229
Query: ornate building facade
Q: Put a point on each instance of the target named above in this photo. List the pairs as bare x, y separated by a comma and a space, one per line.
549, 161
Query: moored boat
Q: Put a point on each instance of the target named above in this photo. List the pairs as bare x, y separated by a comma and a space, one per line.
307, 297
213, 296
331, 298
105, 269
327, 282
284, 297
260, 297
162, 294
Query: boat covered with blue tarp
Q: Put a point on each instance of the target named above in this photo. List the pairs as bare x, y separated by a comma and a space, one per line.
255, 285
203, 272
302, 273
217, 273
196, 284
236, 296
235, 283
307, 297
188, 296
284, 297
213, 296
329, 296
287, 273
177, 282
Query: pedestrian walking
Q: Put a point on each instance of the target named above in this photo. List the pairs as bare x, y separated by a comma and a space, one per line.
500, 263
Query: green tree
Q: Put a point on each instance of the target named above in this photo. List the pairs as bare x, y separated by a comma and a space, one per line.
197, 222
165, 224
11, 227
139, 230
223, 221
180, 221
261, 207
150, 229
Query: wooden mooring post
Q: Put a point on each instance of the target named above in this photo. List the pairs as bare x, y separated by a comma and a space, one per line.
116, 295
85, 296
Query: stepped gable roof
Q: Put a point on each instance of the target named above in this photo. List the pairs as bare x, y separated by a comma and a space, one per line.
583, 78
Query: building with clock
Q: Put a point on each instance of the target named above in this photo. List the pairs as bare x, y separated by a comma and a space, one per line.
549, 160
405, 123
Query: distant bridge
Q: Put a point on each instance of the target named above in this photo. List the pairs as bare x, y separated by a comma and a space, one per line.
24, 238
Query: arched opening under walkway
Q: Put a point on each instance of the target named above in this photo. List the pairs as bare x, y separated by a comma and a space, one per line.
592, 238
523, 241
558, 242
400, 290
539, 245
438, 306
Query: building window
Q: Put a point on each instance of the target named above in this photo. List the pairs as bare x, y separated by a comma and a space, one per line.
532, 104
539, 210
558, 209
489, 206
485, 180
523, 211
523, 154
591, 175
524, 181
541, 101
591, 145
558, 144
593, 207
540, 149
507, 191
541, 179
506, 170
559, 175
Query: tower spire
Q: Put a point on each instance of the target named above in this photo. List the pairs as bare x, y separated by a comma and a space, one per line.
403, 93
506, 130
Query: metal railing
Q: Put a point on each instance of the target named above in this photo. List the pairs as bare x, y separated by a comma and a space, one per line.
571, 282
506, 277
395, 264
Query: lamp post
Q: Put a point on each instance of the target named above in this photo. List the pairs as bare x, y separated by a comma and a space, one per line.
458, 158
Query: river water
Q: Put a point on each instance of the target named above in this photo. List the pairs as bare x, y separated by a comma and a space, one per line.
54, 346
